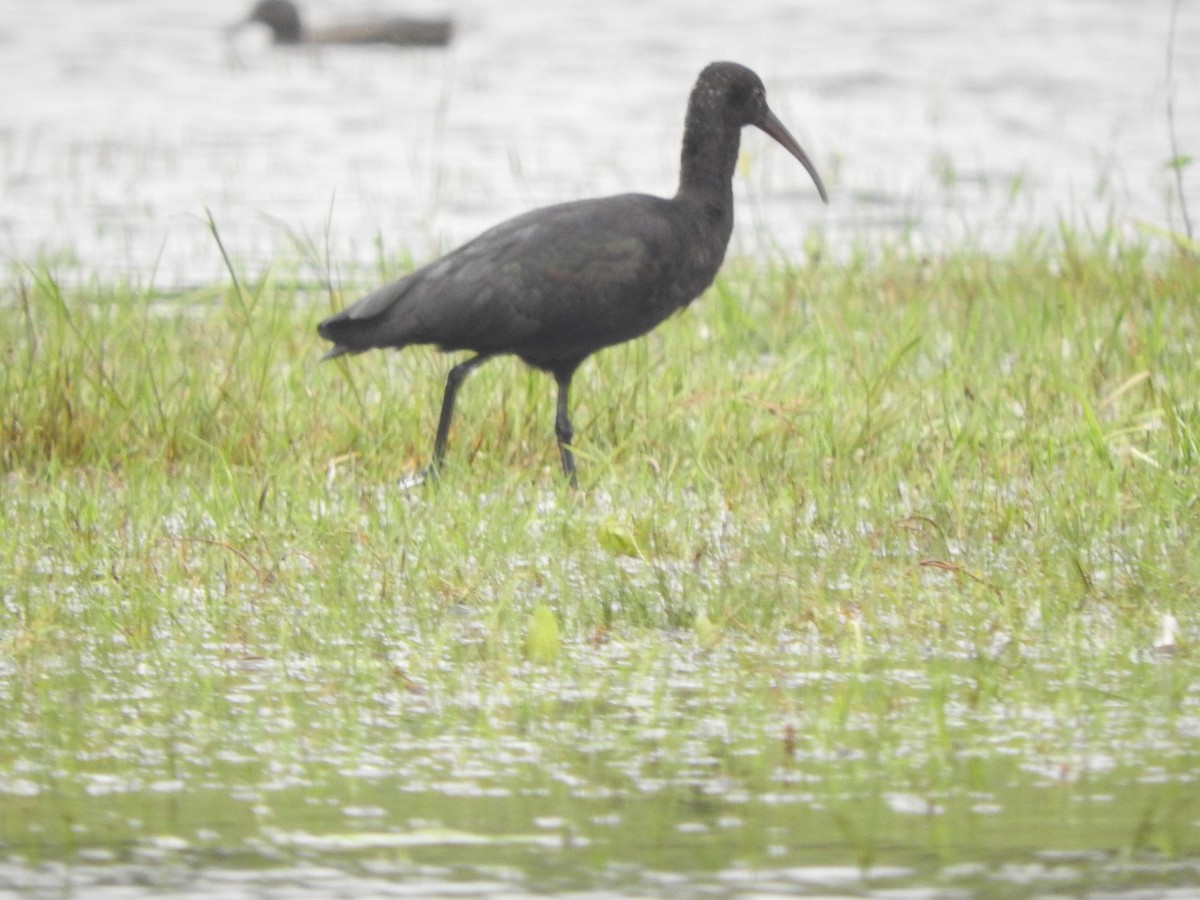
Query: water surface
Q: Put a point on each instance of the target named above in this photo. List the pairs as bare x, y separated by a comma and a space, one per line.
936, 120
648, 768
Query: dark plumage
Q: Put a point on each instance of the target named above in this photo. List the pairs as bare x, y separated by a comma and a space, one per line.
557, 284
282, 17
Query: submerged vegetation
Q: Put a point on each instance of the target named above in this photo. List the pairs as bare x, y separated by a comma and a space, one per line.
857, 541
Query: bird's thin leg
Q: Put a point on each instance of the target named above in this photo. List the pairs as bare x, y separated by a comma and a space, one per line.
562, 426
453, 381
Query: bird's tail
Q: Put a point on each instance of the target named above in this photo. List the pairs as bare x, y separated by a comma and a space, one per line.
338, 350
340, 331
374, 321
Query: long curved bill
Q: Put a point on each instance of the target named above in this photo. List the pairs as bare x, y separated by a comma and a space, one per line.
772, 126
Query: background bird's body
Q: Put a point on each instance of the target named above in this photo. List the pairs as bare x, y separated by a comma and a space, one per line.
555, 285
396, 30
282, 17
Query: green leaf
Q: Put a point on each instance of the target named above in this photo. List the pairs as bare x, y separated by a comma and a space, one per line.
542, 640
707, 632
618, 539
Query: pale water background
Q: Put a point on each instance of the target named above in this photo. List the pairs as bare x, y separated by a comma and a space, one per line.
123, 120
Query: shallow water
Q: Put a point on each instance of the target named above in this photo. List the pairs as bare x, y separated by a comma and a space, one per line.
632, 771
934, 120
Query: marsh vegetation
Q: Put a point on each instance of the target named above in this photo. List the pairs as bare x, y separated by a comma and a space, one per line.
865, 586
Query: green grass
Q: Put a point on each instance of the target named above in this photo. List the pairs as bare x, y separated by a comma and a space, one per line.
901, 523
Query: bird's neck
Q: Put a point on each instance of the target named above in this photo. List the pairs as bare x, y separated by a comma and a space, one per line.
707, 164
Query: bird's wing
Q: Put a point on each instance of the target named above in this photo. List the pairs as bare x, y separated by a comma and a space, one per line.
555, 279
553, 282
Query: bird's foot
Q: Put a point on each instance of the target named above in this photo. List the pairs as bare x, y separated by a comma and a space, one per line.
417, 478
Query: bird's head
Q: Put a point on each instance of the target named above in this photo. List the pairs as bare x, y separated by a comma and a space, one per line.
281, 16
737, 94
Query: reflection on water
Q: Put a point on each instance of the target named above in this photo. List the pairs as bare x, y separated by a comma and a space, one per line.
938, 120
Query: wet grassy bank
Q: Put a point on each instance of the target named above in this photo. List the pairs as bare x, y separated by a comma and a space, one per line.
868, 567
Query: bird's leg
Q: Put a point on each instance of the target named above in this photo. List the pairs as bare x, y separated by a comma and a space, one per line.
562, 426
454, 380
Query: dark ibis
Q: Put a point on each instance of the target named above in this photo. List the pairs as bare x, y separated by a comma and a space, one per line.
557, 284
283, 18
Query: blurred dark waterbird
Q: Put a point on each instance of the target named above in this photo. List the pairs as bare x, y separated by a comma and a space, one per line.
283, 18
557, 284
